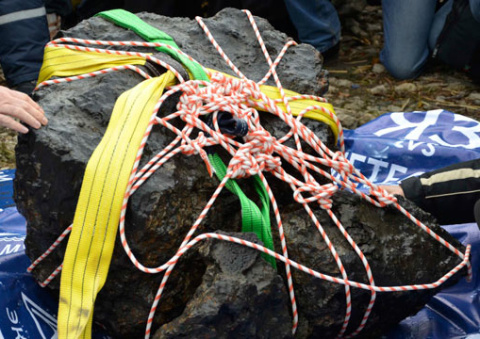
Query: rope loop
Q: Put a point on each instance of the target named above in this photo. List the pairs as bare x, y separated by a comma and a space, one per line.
195, 146
318, 193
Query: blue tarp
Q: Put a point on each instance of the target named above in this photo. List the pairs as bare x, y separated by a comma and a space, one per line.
388, 149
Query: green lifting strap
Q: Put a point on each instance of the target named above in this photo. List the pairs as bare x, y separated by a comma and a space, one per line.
253, 220
149, 33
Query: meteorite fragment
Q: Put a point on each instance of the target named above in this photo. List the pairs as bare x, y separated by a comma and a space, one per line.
218, 289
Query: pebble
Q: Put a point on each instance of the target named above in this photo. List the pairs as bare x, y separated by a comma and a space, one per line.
393, 108
474, 96
378, 90
374, 27
347, 118
432, 86
378, 69
405, 88
332, 89
343, 83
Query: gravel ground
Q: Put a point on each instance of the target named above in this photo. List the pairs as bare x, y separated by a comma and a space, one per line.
360, 88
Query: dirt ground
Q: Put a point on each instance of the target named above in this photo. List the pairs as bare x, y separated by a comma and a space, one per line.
360, 88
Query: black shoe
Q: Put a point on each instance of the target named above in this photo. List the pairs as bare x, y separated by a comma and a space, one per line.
26, 87
331, 54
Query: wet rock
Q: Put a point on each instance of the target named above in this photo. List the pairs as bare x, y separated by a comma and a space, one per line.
50, 166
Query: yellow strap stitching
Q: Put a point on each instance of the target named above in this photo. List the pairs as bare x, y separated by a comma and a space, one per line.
91, 242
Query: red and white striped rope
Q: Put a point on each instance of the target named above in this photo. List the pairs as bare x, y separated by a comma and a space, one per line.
91, 75
319, 275
50, 249
254, 156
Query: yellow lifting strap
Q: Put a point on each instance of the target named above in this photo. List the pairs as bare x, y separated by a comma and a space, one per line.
63, 62
60, 61
90, 247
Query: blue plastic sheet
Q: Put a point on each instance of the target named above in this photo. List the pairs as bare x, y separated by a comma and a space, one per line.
455, 311
399, 145
386, 150
27, 310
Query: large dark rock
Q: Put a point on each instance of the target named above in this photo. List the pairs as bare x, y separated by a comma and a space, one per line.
398, 251
50, 166
240, 296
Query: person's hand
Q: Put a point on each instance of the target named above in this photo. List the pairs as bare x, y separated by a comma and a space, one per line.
14, 104
393, 189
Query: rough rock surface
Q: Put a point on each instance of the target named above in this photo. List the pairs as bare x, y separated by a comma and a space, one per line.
51, 162
398, 252
240, 296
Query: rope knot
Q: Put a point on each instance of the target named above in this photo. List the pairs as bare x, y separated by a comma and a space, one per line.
262, 141
383, 197
341, 164
255, 155
318, 193
195, 146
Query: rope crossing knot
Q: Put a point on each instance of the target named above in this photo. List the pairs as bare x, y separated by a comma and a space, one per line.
255, 156
342, 165
318, 193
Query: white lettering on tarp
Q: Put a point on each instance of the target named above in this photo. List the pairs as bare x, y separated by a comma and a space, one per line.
471, 133
18, 330
40, 316
394, 169
13, 318
402, 123
9, 249
419, 130
377, 171
428, 149
355, 157
377, 165
5, 177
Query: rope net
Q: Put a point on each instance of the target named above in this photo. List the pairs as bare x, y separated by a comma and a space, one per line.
259, 152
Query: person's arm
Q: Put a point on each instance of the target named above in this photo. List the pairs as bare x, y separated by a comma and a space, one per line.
449, 193
14, 104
